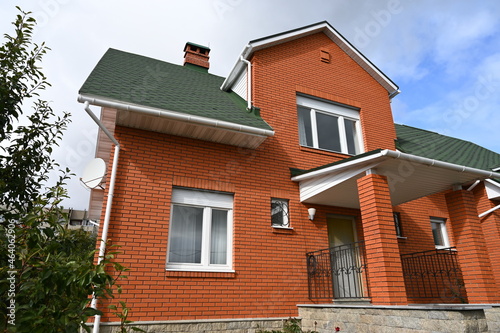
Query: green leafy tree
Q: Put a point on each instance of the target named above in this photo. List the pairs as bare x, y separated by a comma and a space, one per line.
47, 272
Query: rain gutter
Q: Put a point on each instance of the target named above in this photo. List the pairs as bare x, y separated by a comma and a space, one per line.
198, 120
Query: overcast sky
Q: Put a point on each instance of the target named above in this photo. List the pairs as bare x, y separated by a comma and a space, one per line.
444, 55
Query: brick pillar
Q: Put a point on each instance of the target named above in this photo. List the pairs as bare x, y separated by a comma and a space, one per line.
472, 252
490, 224
385, 275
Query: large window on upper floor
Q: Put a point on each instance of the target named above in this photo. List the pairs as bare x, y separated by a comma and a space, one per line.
329, 126
200, 235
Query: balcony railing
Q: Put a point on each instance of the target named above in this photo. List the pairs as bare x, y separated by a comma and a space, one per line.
338, 272
435, 275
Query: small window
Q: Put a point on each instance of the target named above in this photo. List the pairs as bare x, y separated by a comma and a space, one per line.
328, 126
397, 224
200, 235
439, 233
279, 213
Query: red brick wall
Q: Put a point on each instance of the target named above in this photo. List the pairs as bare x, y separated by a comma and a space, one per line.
270, 276
490, 225
415, 217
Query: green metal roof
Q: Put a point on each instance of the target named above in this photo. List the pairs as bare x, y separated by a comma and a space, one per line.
444, 148
139, 80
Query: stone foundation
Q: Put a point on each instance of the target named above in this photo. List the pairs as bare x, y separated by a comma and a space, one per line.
202, 326
349, 319
401, 319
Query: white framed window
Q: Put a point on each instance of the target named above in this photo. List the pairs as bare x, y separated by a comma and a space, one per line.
329, 126
200, 234
439, 233
280, 213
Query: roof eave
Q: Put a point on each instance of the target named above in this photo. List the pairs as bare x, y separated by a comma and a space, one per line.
258, 135
398, 155
409, 177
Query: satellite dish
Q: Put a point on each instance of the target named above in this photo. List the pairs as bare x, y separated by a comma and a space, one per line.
94, 173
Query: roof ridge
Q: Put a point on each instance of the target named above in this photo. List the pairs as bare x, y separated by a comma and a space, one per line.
162, 61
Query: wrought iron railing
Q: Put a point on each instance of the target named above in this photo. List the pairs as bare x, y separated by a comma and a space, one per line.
434, 274
338, 272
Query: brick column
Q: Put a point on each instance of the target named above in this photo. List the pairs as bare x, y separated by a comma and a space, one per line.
385, 275
471, 245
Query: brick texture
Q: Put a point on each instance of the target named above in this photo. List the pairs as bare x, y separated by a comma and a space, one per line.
385, 274
470, 242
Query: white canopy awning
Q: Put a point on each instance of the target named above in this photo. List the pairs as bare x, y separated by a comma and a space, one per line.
409, 177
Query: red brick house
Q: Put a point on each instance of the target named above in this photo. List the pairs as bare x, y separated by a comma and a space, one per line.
236, 199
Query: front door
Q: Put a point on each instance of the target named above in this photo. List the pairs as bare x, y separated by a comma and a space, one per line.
344, 257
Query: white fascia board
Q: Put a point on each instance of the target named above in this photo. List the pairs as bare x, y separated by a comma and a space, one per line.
440, 164
333, 168
395, 89
204, 121
235, 72
312, 187
295, 34
398, 155
492, 189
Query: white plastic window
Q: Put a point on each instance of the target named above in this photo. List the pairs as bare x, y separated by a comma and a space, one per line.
200, 235
329, 126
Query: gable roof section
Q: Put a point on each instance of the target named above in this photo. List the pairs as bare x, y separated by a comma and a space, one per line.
444, 148
180, 100
135, 79
327, 29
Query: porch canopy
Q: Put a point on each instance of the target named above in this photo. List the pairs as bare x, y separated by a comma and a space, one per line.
409, 177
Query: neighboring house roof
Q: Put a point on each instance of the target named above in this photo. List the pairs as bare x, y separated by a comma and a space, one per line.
327, 29
134, 79
444, 148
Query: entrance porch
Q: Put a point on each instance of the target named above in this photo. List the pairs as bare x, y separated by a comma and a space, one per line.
378, 269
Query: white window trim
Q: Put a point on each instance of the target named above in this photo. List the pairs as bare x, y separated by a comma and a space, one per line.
342, 112
207, 201
441, 222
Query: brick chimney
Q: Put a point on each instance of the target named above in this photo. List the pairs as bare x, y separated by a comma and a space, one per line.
196, 55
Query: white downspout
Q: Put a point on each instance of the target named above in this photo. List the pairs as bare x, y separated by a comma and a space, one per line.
109, 203
249, 82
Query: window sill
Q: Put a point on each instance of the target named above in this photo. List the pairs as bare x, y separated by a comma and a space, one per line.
282, 230
200, 274
445, 248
